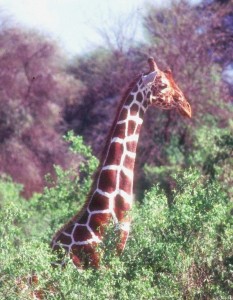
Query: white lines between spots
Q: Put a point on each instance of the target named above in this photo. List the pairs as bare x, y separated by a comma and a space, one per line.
130, 138
127, 171
89, 241
131, 154
137, 119
103, 211
126, 196
111, 167
66, 234
106, 194
143, 108
94, 236
117, 140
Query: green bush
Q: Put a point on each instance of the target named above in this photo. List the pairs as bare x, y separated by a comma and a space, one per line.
211, 153
179, 252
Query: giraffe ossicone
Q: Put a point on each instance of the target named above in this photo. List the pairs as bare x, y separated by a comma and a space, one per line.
110, 197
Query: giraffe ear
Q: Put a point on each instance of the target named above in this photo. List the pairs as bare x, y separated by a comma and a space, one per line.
149, 78
168, 71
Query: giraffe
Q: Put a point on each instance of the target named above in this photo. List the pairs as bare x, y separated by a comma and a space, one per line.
110, 197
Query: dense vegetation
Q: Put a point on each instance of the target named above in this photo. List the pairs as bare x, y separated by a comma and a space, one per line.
182, 251
180, 245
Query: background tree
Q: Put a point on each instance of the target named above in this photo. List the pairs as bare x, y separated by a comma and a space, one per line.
34, 90
221, 34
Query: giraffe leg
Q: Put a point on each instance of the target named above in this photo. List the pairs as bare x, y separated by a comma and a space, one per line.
122, 229
122, 222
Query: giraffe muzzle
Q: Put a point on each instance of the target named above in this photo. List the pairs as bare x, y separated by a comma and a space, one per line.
184, 109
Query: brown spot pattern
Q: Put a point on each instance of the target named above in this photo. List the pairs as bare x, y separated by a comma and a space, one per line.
125, 183
123, 115
81, 233
137, 131
121, 204
129, 99
135, 89
114, 154
64, 239
119, 131
141, 113
131, 146
99, 202
131, 127
139, 97
70, 229
134, 109
107, 180
98, 221
129, 162
83, 219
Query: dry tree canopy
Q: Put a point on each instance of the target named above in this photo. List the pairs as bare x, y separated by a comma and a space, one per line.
35, 89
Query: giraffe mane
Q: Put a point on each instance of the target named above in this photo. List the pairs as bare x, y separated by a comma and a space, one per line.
81, 212
123, 99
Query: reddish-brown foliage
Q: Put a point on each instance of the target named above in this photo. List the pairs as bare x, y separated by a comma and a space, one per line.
34, 90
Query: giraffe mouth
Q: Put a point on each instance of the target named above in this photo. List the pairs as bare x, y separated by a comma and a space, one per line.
184, 109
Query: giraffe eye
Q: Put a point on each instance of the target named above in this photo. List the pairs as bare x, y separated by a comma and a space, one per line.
176, 98
168, 71
163, 86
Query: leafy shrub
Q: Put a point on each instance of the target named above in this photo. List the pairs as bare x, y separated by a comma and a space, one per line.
211, 152
181, 252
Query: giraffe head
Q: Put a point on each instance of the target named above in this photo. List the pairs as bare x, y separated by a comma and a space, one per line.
163, 92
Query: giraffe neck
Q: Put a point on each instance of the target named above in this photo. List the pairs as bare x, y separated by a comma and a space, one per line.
115, 177
111, 193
